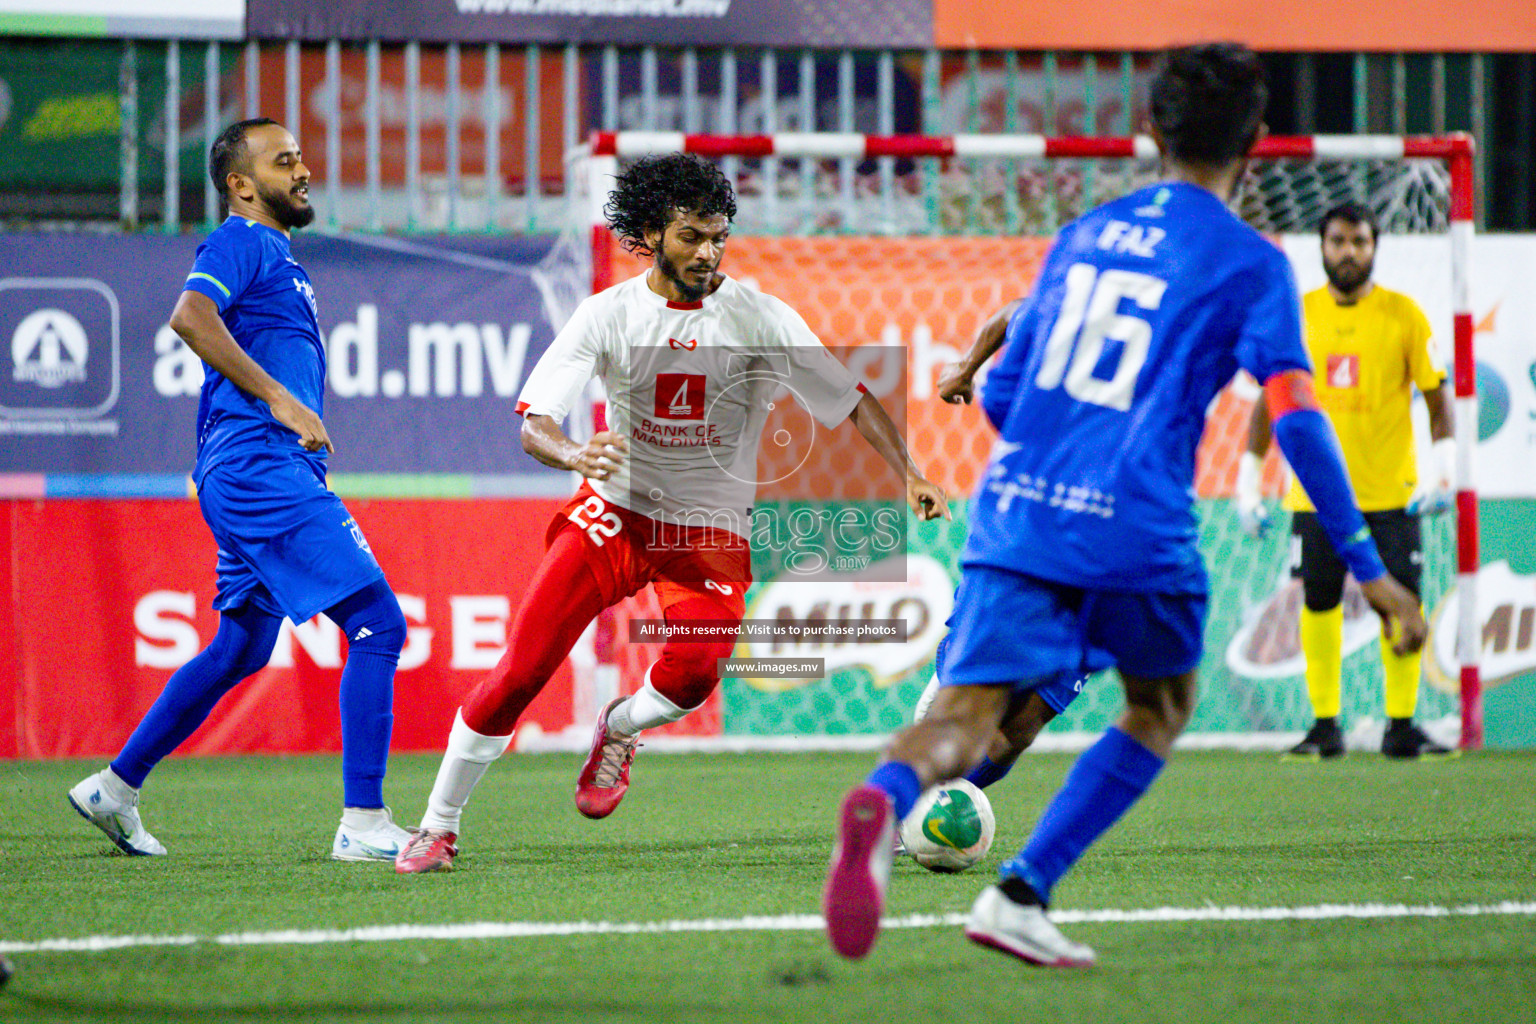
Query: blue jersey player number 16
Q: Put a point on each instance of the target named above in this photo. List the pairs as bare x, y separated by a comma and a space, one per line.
1083, 547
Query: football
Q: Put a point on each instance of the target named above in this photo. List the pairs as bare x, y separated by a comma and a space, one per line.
950, 827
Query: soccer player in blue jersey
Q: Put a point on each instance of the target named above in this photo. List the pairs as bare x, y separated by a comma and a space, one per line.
287, 545
1083, 532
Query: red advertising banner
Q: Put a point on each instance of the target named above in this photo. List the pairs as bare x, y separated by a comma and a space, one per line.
103, 600
350, 92
1301, 25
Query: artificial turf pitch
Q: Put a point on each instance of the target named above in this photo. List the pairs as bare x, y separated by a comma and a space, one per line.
731, 836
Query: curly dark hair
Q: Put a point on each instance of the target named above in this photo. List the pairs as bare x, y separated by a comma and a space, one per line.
650, 193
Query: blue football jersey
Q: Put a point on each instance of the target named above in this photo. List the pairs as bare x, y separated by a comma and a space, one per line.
1143, 311
268, 303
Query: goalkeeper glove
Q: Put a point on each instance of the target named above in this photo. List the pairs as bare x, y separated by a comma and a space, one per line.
1437, 494
1252, 513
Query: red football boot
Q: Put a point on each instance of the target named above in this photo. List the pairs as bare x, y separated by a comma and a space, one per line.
604, 778
430, 849
859, 872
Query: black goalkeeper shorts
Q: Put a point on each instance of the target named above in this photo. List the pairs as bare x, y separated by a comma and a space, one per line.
1322, 571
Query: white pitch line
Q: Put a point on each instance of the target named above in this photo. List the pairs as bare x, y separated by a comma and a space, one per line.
784, 923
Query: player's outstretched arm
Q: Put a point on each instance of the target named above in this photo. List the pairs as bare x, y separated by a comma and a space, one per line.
1311, 447
927, 499
598, 459
957, 382
196, 320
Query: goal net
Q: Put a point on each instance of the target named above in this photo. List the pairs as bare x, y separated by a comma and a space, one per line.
938, 234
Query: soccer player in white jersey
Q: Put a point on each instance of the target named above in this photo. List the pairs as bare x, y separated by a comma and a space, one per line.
690, 360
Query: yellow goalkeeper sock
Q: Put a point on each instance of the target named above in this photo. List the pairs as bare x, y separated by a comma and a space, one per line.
1400, 674
1322, 643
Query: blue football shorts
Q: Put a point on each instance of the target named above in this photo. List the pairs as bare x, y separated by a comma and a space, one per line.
1057, 689
286, 543
1011, 628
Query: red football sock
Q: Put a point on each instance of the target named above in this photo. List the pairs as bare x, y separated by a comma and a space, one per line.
562, 599
686, 672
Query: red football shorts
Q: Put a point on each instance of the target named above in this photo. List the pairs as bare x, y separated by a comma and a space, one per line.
626, 550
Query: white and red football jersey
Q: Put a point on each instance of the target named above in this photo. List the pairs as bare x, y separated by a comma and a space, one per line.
689, 384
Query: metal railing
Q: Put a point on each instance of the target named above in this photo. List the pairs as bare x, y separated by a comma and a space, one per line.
397, 132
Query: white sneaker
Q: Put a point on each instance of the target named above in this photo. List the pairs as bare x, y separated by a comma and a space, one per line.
100, 801
1022, 930
381, 841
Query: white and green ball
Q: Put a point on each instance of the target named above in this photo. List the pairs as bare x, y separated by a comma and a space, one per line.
950, 827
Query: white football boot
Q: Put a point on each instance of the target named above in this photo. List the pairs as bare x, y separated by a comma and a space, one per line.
112, 805
925, 699
380, 839
1022, 930
919, 712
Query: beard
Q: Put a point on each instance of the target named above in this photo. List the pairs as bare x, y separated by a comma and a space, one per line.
1348, 276
691, 292
285, 208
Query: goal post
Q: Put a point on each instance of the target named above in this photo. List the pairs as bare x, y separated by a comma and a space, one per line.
1417, 184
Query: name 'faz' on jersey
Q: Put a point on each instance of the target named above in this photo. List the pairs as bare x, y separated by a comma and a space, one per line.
1144, 310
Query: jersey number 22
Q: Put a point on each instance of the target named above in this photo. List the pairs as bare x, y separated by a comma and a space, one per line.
593, 516
1090, 317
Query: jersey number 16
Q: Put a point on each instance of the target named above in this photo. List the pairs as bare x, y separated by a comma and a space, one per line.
1090, 317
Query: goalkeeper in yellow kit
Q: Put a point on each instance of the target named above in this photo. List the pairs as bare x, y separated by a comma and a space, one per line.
1369, 346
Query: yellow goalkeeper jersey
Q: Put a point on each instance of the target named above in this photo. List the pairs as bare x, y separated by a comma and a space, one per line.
1365, 359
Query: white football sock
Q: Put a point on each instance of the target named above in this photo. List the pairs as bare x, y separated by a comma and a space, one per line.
465, 762
116, 788
645, 709
361, 819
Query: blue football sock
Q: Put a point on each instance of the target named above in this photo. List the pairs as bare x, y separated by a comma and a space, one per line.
375, 630
986, 772
1105, 782
900, 783
241, 646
